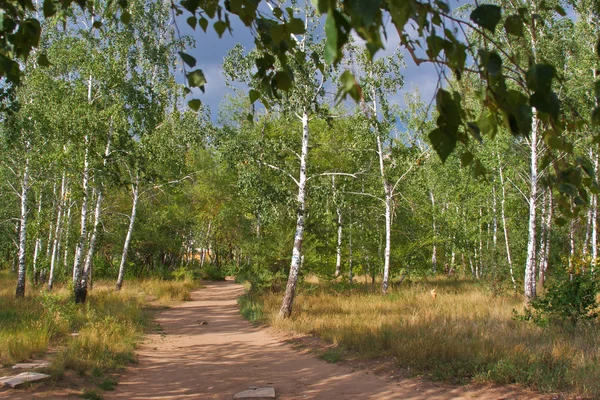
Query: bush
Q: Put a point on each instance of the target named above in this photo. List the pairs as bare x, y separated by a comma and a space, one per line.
212, 273
567, 298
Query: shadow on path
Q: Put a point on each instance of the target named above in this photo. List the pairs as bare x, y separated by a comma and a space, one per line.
226, 354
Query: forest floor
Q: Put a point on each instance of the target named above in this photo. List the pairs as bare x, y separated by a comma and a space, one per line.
204, 349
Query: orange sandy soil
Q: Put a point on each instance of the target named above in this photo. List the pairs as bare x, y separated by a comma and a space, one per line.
206, 350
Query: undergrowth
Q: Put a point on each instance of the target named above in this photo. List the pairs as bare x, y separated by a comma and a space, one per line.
465, 334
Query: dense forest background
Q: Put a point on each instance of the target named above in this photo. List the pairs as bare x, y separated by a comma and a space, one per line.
107, 173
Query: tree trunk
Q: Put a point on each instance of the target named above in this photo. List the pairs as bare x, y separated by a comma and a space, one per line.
20, 292
571, 244
136, 195
544, 262
83, 229
434, 250
87, 267
338, 259
290, 291
594, 240
38, 242
67, 231
57, 236
530, 266
350, 271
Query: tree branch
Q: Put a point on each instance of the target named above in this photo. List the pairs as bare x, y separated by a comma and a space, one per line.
276, 168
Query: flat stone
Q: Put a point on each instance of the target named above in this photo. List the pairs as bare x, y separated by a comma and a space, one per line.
23, 377
256, 393
32, 365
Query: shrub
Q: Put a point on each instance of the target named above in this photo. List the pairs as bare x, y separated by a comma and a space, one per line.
567, 298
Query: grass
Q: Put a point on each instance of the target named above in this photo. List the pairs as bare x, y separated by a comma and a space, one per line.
90, 339
466, 334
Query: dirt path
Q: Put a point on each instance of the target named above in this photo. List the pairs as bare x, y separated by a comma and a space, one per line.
225, 355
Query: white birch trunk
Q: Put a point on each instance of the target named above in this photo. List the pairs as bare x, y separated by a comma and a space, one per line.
136, 196
57, 235
206, 245
504, 227
87, 267
79, 247
38, 242
594, 240
544, 263
530, 266
338, 259
495, 220
350, 270
388, 220
434, 250
290, 291
67, 231
20, 292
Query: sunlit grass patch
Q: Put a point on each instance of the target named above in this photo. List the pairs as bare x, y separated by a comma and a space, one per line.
91, 338
465, 334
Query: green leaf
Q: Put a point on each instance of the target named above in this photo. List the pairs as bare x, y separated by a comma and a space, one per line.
475, 131
331, 31
49, 8
220, 27
560, 11
97, 24
487, 16
494, 64
189, 60
466, 159
443, 143
546, 103
283, 80
349, 87
597, 89
539, 78
192, 21
254, 95
43, 61
488, 124
337, 29
125, 17
192, 6
196, 78
194, 104
203, 22
596, 116
296, 26
514, 25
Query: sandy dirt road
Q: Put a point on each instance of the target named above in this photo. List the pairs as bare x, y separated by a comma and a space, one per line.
190, 359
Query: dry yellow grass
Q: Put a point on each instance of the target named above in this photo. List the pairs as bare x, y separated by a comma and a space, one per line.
465, 333
90, 338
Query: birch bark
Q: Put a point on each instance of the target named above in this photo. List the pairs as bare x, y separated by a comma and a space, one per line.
20, 292
288, 300
136, 196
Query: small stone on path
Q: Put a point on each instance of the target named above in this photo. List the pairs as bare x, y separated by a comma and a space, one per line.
32, 365
256, 393
18, 380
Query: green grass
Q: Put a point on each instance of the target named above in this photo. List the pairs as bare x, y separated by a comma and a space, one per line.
92, 338
466, 334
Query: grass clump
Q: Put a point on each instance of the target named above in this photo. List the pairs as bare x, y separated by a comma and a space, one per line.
90, 339
465, 334
166, 291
